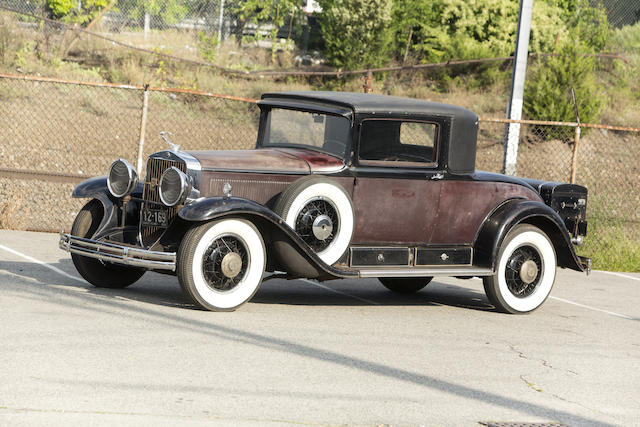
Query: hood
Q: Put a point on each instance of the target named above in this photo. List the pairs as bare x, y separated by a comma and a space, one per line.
262, 160
269, 160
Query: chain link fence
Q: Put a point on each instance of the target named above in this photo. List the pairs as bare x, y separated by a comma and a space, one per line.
55, 134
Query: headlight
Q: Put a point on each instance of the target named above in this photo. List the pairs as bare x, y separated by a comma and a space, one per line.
122, 178
175, 186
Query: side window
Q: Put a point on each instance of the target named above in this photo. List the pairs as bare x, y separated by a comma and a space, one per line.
398, 141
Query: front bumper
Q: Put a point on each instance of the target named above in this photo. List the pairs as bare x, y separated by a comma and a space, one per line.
118, 254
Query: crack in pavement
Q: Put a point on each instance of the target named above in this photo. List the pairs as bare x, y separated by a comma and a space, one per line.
544, 362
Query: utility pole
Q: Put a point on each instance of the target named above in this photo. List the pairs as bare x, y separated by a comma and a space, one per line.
514, 110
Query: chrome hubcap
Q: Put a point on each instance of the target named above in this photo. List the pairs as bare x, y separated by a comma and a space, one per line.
322, 227
231, 265
528, 271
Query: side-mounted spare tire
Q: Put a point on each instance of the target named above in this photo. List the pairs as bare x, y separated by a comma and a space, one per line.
321, 212
98, 273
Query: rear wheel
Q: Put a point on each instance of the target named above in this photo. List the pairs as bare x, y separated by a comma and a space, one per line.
321, 212
98, 273
221, 263
405, 285
525, 271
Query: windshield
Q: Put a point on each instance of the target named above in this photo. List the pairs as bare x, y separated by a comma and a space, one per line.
320, 131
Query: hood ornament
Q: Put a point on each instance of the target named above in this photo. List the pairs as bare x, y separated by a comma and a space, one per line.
174, 147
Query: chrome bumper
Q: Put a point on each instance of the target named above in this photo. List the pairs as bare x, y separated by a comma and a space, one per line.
117, 254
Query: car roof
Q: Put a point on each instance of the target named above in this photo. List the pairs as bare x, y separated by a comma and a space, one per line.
460, 144
374, 103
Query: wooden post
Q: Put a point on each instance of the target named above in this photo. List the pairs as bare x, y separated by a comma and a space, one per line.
368, 82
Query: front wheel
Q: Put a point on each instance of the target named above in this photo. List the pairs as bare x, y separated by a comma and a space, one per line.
100, 274
221, 263
525, 272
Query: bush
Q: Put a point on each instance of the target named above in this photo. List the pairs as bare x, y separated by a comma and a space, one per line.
547, 93
357, 33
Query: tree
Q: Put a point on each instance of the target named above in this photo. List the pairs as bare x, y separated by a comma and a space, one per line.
257, 11
357, 33
547, 91
71, 11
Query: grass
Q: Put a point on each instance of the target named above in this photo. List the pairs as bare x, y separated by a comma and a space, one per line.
612, 245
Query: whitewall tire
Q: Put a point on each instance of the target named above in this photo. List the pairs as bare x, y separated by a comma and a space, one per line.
321, 212
525, 271
221, 263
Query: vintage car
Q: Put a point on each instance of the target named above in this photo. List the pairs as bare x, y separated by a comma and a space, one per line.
340, 185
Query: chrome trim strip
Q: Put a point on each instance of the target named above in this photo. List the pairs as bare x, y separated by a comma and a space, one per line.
118, 254
254, 171
420, 272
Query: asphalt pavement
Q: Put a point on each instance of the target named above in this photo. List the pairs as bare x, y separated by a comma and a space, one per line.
344, 352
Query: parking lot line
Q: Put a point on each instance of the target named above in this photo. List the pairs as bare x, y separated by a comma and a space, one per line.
42, 263
624, 316
613, 273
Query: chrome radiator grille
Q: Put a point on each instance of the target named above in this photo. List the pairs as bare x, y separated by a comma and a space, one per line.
151, 196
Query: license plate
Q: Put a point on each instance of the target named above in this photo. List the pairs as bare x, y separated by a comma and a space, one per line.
154, 217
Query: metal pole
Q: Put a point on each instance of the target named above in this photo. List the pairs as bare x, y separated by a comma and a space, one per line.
514, 110
143, 126
576, 139
220, 22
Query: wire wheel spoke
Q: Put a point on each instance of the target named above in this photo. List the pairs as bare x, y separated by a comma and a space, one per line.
518, 265
212, 263
312, 211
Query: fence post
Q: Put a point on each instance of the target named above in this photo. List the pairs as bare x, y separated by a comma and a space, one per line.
368, 82
143, 126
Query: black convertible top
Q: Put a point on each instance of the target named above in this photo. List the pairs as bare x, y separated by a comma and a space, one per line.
464, 123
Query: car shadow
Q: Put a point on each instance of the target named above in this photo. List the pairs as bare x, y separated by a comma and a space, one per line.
367, 292
164, 290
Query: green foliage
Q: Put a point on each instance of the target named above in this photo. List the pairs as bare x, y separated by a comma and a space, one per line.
208, 45
68, 11
357, 33
273, 11
590, 26
460, 29
167, 11
547, 92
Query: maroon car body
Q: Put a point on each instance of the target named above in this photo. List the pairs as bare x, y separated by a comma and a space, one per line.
339, 185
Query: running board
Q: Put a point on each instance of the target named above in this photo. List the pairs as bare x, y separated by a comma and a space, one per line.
424, 272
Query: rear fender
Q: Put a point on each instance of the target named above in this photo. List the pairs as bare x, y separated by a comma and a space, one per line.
300, 259
513, 212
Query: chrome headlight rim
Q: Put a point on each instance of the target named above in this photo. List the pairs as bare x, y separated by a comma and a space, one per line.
184, 190
132, 178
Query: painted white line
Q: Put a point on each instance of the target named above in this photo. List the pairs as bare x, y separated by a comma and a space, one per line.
42, 263
368, 301
613, 273
623, 316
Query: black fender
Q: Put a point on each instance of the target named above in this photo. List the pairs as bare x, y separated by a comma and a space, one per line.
300, 260
96, 188
518, 211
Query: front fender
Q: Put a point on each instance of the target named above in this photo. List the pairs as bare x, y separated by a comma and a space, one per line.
96, 188
518, 211
300, 261
93, 187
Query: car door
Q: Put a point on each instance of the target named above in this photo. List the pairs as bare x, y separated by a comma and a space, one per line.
397, 182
